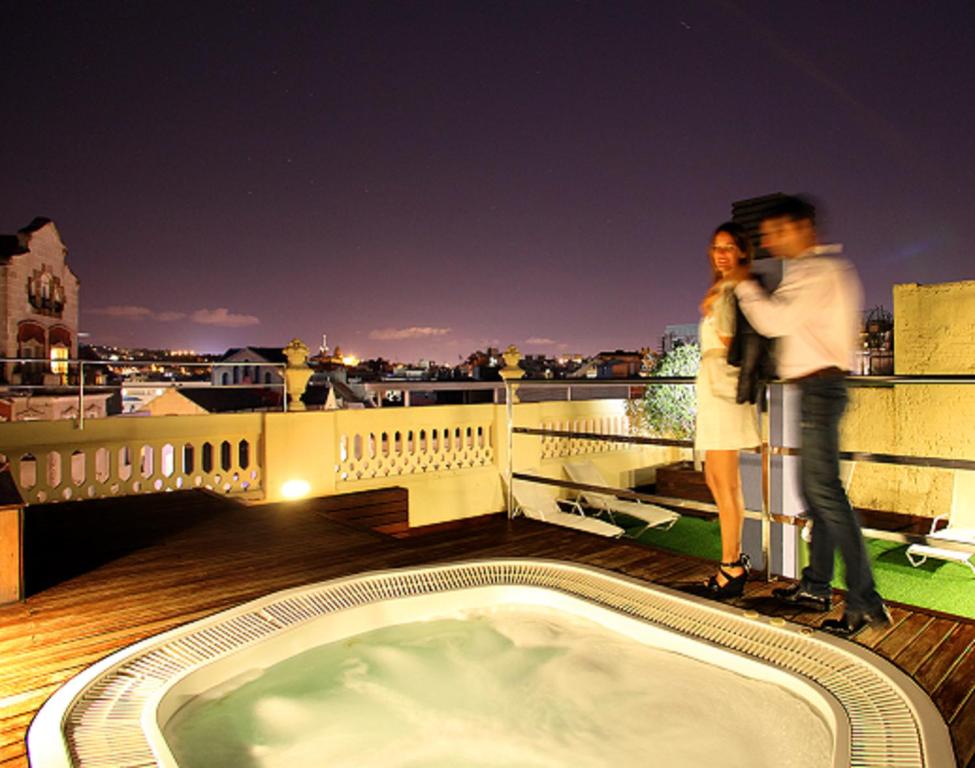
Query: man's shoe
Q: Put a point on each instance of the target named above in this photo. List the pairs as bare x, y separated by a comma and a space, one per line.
797, 596
854, 622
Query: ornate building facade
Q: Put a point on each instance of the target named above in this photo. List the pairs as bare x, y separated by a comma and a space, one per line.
38, 303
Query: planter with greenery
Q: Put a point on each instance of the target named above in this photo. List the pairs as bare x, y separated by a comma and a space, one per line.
668, 410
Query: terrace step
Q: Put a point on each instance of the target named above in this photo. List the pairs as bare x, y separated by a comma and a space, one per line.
681, 481
385, 510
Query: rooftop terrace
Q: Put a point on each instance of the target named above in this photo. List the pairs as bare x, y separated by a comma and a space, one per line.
142, 565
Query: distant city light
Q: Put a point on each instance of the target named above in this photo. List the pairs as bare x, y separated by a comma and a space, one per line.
295, 489
350, 360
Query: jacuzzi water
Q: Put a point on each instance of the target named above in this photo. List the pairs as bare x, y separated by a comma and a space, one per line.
496, 686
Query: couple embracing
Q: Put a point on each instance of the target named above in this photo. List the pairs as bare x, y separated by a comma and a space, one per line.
814, 315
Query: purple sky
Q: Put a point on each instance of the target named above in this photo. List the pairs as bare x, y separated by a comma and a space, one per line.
421, 179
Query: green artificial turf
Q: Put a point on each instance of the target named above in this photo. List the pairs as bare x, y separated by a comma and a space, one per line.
688, 536
943, 586
939, 585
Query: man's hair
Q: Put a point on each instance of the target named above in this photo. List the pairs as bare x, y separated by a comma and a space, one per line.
791, 207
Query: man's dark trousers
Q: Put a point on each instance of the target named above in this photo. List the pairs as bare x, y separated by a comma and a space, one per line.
835, 524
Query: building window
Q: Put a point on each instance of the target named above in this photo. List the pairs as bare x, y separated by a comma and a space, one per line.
59, 360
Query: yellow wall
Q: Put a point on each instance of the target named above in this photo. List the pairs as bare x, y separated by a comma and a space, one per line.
934, 333
934, 328
445, 481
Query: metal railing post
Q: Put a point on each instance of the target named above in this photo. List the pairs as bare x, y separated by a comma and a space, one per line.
510, 412
284, 388
765, 458
81, 395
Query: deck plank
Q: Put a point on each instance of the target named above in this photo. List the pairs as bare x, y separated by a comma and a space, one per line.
936, 668
903, 635
180, 557
964, 737
925, 645
957, 686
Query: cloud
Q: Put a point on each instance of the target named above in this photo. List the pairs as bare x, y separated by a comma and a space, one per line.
122, 310
168, 317
223, 317
541, 341
413, 332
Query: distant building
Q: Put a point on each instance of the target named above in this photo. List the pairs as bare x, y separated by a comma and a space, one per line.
330, 386
38, 304
265, 366
541, 367
189, 401
483, 366
137, 394
875, 357
612, 365
331, 391
409, 372
678, 335
52, 405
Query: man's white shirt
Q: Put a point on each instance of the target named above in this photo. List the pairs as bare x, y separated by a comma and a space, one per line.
815, 312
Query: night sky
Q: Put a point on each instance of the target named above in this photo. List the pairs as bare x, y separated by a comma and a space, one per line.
421, 179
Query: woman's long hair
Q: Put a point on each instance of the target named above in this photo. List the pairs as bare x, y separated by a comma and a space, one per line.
740, 236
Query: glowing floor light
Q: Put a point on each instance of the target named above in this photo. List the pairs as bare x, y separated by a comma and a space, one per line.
295, 489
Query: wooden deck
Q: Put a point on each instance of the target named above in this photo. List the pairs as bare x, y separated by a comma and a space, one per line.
143, 565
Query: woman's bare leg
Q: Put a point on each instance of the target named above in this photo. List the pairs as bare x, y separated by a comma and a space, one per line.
723, 479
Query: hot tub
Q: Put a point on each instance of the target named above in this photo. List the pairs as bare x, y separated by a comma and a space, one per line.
126, 709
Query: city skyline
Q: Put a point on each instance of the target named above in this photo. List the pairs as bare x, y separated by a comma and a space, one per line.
423, 181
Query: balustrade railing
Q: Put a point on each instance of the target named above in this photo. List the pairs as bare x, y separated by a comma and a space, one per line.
393, 443
229, 453
53, 461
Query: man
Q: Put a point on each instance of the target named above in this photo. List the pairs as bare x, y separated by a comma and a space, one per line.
815, 313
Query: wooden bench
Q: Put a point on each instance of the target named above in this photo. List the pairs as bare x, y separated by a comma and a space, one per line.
11, 539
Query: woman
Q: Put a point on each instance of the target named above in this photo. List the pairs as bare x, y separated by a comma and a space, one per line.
723, 426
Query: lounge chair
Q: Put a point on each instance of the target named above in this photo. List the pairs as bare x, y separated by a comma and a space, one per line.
533, 502
960, 528
650, 515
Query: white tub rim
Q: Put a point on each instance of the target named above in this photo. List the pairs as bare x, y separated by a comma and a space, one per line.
49, 742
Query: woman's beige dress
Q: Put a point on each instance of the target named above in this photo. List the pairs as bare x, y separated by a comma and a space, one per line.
722, 424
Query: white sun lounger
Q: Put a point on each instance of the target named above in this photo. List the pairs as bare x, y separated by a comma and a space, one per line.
533, 502
651, 515
960, 528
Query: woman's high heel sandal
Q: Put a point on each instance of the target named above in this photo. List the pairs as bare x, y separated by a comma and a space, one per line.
734, 586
